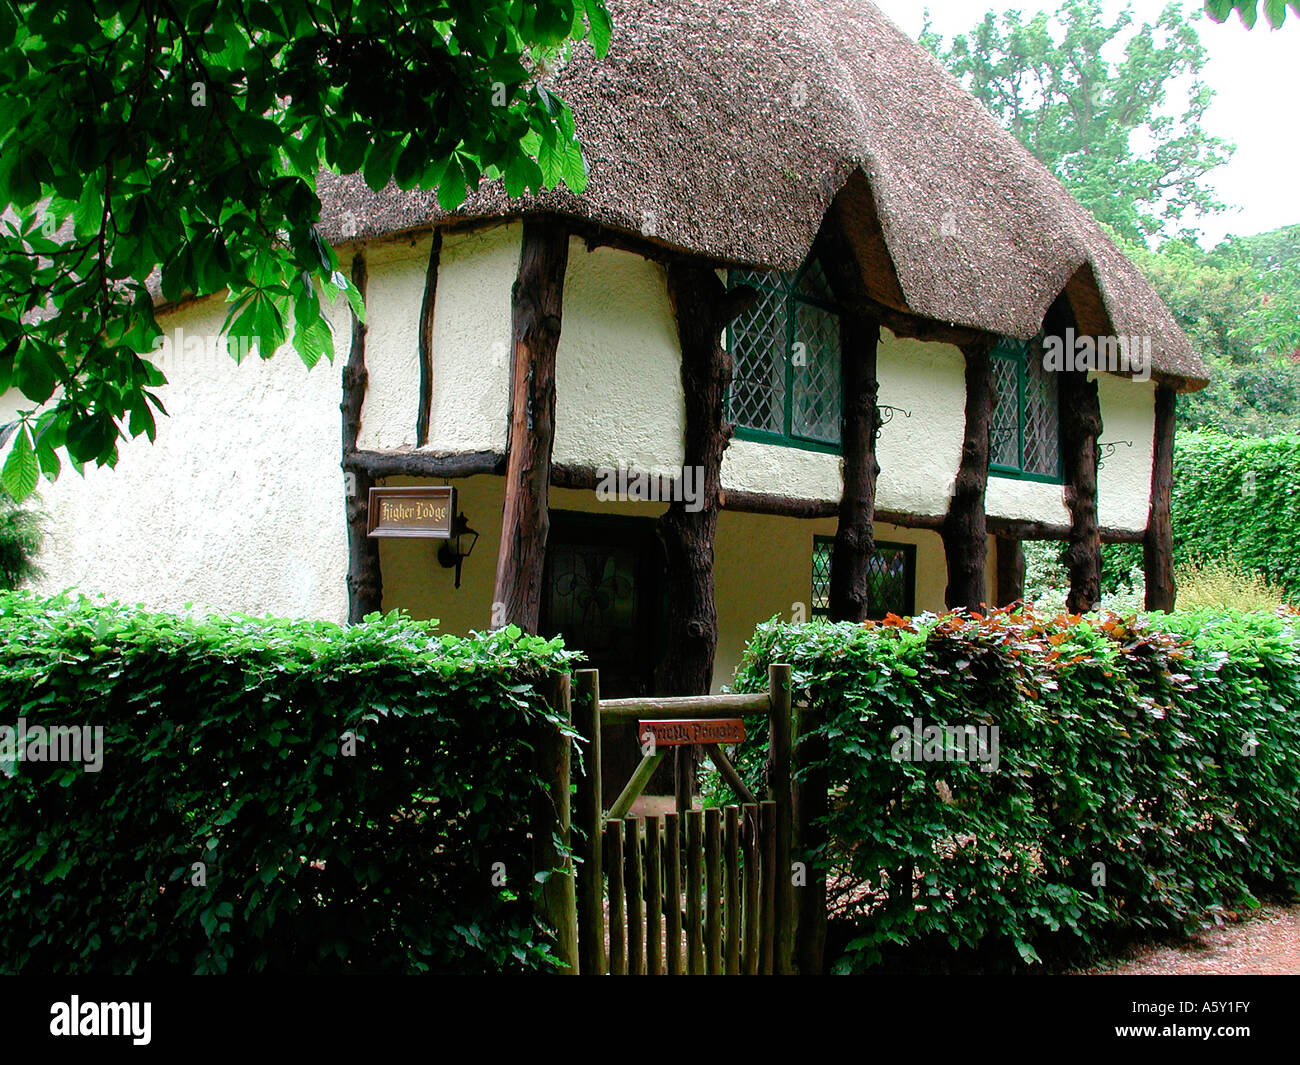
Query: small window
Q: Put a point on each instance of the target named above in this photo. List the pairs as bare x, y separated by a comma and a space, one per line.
786, 386
891, 579
1025, 433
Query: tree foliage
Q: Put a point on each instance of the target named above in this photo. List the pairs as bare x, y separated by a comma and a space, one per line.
180, 142
1240, 306
1248, 10
1114, 108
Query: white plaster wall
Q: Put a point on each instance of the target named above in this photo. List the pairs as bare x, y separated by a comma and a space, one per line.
1010, 497
394, 289
1128, 412
238, 504
919, 456
619, 399
471, 339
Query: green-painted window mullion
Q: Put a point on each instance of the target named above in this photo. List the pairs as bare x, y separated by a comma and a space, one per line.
791, 315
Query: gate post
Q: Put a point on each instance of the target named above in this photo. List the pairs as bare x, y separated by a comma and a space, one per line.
557, 904
812, 793
779, 783
591, 823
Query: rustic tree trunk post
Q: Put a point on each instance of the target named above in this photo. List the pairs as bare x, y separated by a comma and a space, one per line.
424, 405
1158, 547
1011, 570
365, 582
1080, 431
537, 297
703, 307
855, 540
965, 530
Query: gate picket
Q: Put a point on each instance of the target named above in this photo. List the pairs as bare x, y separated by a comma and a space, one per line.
617, 928
632, 879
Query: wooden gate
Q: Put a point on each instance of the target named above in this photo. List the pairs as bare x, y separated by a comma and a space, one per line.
695, 891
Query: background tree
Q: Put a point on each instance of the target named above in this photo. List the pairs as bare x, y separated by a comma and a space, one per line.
1115, 109
1240, 307
181, 142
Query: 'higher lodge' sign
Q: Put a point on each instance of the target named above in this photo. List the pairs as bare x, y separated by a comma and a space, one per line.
422, 511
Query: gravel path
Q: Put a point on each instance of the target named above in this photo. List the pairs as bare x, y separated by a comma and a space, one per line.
1266, 944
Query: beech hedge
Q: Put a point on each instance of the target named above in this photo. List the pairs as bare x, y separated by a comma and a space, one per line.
1145, 775
1239, 499
271, 795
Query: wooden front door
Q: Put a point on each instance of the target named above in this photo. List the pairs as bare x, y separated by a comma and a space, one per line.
603, 592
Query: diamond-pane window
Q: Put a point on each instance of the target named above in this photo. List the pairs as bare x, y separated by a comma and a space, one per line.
786, 384
1025, 433
891, 579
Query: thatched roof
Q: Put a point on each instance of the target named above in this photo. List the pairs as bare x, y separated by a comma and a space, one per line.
729, 127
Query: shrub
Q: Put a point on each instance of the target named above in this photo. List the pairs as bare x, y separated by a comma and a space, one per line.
1146, 776
226, 743
1223, 583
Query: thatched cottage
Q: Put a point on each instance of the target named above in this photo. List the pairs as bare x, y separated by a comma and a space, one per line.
818, 337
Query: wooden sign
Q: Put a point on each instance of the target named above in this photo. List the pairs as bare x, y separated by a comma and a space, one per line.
688, 733
422, 511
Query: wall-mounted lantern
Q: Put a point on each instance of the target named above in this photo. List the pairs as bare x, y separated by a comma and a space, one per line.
458, 547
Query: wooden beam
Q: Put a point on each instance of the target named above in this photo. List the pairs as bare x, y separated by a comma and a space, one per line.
1011, 571
538, 298
378, 464
425, 402
365, 581
965, 530
1158, 544
855, 539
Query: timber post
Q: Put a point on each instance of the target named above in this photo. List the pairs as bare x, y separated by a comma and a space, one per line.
703, 308
811, 806
1080, 431
591, 824
551, 821
965, 529
781, 789
1158, 545
365, 581
537, 301
855, 538
1010, 570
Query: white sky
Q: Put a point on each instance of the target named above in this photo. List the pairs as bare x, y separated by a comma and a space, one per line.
1256, 77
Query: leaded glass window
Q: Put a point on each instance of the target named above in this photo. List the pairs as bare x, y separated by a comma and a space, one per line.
1025, 433
891, 579
787, 384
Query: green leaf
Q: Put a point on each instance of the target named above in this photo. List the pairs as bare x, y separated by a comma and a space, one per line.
21, 470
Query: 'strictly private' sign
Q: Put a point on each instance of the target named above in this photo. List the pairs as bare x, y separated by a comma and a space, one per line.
422, 511
689, 733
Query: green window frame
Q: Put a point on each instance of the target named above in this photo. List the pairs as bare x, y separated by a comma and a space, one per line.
777, 396
1025, 430
891, 579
